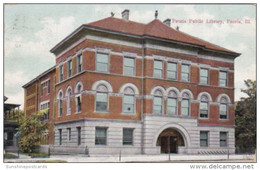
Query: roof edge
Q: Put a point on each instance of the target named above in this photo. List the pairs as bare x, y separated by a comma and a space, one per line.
85, 26
39, 76
66, 38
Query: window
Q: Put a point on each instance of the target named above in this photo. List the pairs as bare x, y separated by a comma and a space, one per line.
204, 76
79, 135
78, 97
60, 136
185, 72
78, 101
157, 68
223, 111
204, 109
42, 89
102, 62
101, 136
45, 106
223, 108
171, 106
128, 136
128, 104
204, 139
223, 139
48, 86
60, 104
68, 134
185, 104
101, 102
223, 79
128, 100
102, 99
69, 68
171, 70
79, 63
185, 107
44, 85
61, 73
129, 66
68, 102
158, 102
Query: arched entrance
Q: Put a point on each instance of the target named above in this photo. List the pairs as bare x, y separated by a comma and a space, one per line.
169, 140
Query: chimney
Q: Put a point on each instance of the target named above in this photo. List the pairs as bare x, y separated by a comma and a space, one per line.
167, 22
125, 14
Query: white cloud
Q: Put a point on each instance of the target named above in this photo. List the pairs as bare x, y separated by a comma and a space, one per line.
37, 47
15, 79
51, 33
16, 98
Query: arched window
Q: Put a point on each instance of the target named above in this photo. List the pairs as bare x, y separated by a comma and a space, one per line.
68, 94
102, 98
172, 103
158, 102
78, 91
204, 106
185, 104
60, 104
223, 108
129, 101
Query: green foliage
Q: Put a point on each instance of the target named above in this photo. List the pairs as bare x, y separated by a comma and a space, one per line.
245, 119
10, 156
30, 130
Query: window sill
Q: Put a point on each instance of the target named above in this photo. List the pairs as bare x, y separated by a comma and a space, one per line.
77, 112
102, 71
101, 112
128, 114
100, 145
185, 81
203, 84
224, 119
129, 75
129, 146
203, 118
171, 79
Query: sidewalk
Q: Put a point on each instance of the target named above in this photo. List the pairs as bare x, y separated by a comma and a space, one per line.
136, 158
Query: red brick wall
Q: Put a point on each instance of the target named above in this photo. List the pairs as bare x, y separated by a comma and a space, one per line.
116, 67
116, 64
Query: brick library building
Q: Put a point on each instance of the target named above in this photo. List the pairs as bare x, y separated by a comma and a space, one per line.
122, 86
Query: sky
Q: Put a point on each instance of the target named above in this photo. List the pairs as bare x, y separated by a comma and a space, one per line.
31, 30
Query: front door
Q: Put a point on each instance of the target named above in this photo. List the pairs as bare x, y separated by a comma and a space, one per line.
164, 144
168, 144
173, 144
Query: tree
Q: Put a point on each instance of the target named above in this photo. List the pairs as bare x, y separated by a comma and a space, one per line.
245, 119
30, 130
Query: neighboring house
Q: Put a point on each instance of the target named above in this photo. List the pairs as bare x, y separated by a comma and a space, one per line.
123, 86
10, 125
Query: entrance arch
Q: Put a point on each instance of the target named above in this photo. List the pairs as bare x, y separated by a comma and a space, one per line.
170, 136
169, 140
